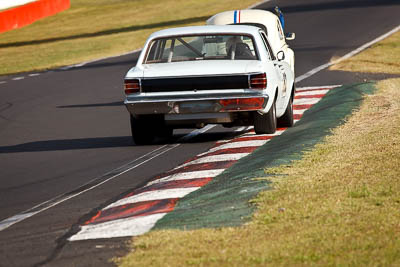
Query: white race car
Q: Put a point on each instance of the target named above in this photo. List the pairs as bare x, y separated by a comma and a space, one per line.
192, 76
266, 20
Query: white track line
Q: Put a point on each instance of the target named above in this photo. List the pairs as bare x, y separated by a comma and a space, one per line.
62, 198
188, 175
96, 182
118, 228
348, 55
153, 195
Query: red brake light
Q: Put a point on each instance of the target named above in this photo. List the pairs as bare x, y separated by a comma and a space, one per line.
255, 103
132, 86
258, 81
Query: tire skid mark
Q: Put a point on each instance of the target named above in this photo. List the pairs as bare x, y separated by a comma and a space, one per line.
188, 175
200, 167
153, 195
139, 210
144, 208
5, 106
304, 106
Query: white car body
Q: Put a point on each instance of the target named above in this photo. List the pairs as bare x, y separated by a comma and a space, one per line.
267, 19
181, 94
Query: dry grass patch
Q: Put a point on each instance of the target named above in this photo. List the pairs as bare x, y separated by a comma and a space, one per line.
339, 205
101, 28
382, 57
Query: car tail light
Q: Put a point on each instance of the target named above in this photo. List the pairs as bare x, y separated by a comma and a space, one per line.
254, 103
258, 81
132, 86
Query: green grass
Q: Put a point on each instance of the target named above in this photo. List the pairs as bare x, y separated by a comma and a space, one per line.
96, 29
339, 205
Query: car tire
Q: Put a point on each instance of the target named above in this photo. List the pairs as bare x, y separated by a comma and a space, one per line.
142, 131
265, 123
287, 118
165, 132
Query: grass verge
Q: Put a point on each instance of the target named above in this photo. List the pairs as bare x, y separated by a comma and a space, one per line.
96, 29
339, 205
382, 57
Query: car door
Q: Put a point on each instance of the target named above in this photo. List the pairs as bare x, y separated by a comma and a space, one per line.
282, 69
278, 67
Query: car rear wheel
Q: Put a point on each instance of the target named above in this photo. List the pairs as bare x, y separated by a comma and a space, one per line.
265, 123
165, 131
142, 132
287, 119
146, 128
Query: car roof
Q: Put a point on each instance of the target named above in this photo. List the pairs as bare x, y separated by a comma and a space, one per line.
240, 16
207, 29
253, 16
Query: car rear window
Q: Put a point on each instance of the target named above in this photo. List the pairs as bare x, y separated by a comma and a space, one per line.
201, 47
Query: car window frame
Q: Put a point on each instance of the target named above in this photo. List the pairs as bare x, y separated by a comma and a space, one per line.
151, 42
267, 45
280, 30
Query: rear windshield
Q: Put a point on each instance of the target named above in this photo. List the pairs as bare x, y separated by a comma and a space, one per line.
201, 47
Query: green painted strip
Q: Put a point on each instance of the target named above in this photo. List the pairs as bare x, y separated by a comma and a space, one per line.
225, 200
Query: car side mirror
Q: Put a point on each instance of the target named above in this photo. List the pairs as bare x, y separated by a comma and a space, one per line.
280, 55
290, 36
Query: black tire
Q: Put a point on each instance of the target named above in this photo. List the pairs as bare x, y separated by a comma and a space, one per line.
165, 132
287, 119
142, 132
265, 123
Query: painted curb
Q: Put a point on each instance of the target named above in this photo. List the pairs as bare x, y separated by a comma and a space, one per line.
225, 201
20, 16
139, 210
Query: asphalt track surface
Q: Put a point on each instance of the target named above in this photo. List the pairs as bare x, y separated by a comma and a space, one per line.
61, 129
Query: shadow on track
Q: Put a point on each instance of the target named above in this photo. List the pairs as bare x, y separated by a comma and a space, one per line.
112, 104
69, 144
108, 142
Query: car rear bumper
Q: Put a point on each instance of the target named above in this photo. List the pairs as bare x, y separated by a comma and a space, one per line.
142, 104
